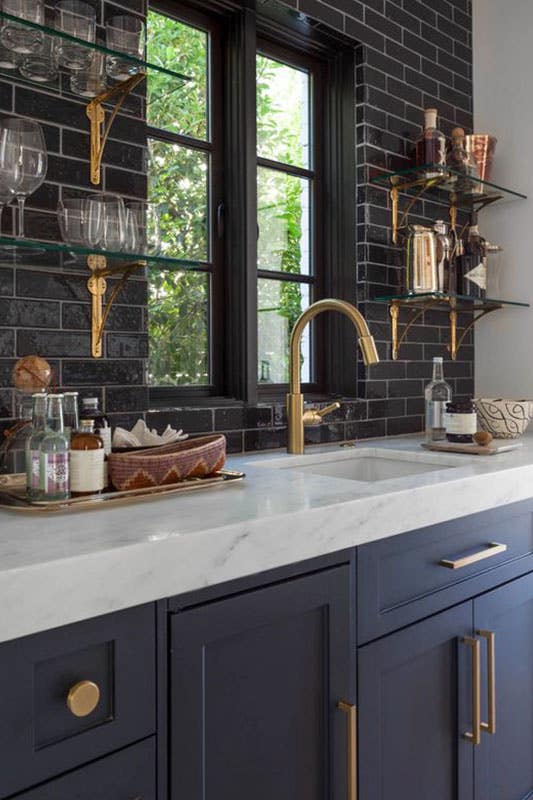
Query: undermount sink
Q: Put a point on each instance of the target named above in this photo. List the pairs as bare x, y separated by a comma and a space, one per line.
369, 465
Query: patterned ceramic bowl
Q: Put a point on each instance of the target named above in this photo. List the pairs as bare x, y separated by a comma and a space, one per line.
168, 464
505, 419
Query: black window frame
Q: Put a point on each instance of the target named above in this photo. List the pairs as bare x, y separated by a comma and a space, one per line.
242, 31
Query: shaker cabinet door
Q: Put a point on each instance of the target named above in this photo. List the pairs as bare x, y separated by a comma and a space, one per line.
255, 682
504, 761
415, 704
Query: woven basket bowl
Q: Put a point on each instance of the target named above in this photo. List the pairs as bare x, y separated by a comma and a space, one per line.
171, 463
505, 419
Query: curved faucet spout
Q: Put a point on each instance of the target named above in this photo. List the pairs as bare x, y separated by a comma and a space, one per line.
295, 412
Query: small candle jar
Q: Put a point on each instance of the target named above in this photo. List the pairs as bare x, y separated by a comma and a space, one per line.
461, 422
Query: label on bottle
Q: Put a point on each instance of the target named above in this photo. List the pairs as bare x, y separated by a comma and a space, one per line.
478, 275
55, 473
461, 423
105, 435
86, 470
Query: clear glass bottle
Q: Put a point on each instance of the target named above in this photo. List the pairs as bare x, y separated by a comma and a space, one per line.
55, 453
71, 413
461, 161
437, 394
33, 446
430, 147
13, 447
91, 410
472, 264
87, 461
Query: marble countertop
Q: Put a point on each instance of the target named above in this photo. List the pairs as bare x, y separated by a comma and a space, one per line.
62, 568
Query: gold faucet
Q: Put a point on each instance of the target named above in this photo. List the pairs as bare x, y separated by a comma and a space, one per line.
295, 399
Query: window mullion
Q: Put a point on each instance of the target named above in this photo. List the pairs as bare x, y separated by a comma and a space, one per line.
241, 240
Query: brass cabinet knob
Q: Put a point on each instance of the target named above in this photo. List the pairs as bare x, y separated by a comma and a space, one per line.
83, 698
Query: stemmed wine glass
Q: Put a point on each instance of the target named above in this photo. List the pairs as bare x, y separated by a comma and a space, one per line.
23, 160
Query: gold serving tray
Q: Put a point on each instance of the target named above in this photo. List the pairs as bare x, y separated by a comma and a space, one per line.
13, 494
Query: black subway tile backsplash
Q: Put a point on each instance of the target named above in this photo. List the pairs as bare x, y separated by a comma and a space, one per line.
410, 54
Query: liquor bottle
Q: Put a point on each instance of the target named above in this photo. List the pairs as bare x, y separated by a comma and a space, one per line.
33, 446
472, 265
87, 461
71, 413
54, 453
430, 147
462, 162
91, 410
437, 394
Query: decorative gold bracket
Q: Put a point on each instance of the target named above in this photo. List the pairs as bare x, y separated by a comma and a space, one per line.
99, 128
97, 286
457, 336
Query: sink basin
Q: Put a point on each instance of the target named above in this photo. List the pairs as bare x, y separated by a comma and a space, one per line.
369, 465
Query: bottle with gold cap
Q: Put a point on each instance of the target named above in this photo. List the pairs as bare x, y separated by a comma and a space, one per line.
430, 147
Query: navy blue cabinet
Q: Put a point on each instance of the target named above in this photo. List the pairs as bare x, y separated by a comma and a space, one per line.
504, 760
414, 696
255, 682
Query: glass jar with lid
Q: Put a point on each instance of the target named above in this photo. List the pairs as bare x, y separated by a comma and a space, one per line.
460, 421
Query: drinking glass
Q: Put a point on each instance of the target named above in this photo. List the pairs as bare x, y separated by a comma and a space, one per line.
17, 37
77, 19
147, 226
131, 243
23, 160
91, 82
72, 215
41, 67
125, 34
8, 58
110, 209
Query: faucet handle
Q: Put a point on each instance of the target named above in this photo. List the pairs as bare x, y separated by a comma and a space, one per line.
314, 416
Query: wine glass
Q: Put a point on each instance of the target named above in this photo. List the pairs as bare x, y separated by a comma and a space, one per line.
23, 159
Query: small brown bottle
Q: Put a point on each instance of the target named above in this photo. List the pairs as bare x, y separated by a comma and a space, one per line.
87, 461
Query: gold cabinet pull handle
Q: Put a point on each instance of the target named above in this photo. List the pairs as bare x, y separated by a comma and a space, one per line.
491, 550
83, 698
475, 735
490, 638
351, 748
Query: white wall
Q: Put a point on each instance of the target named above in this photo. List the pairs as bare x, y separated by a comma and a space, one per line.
503, 106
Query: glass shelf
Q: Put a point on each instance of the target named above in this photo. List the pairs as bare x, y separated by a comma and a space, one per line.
460, 301
137, 64
33, 252
420, 303
469, 191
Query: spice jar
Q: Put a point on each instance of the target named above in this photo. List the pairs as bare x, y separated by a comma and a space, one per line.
461, 422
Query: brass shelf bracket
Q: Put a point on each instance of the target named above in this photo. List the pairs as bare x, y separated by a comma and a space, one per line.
397, 338
457, 335
99, 127
97, 286
455, 343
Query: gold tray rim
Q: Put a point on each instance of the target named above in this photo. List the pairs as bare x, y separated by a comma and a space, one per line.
223, 477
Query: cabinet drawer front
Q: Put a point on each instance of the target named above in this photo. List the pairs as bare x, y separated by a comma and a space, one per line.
123, 776
73, 694
407, 577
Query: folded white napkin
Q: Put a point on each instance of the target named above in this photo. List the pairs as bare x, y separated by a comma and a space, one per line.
141, 436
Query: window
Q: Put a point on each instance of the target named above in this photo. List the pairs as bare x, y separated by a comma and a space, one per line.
239, 162
184, 162
287, 250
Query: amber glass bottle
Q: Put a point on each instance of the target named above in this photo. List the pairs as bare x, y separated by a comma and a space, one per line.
87, 460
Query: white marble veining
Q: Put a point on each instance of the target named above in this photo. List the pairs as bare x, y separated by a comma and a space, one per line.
63, 568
